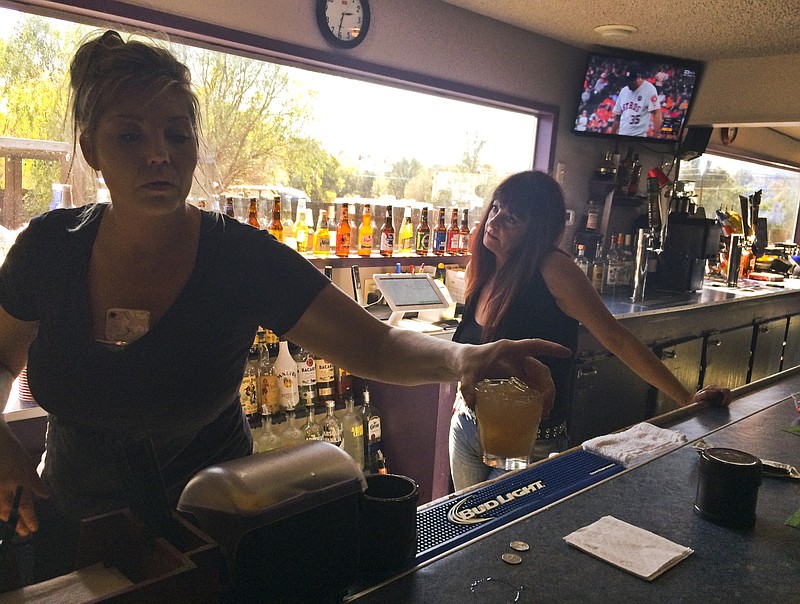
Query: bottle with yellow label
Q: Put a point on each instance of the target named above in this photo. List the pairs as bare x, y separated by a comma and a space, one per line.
322, 235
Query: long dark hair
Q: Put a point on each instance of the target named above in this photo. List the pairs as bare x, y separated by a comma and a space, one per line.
536, 198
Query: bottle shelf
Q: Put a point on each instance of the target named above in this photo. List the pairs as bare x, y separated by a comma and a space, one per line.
376, 261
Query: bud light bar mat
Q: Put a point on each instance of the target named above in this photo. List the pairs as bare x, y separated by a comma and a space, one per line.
451, 523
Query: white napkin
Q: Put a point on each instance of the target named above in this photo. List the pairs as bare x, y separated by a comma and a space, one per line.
636, 445
628, 547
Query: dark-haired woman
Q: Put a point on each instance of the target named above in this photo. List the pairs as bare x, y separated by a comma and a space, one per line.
135, 318
520, 284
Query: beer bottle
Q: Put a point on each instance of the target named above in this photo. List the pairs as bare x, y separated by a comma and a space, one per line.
423, 241
275, 227
454, 234
365, 232
301, 228
406, 232
229, 207
252, 213
440, 235
464, 239
322, 236
387, 235
343, 233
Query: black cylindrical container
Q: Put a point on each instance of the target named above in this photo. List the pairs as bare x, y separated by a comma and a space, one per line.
388, 523
727, 489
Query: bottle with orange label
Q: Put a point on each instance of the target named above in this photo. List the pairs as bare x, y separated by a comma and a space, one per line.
365, 232
343, 232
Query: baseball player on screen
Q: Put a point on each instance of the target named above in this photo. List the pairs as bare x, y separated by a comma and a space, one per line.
637, 105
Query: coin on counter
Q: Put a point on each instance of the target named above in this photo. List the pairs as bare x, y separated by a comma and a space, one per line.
519, 546
511, 559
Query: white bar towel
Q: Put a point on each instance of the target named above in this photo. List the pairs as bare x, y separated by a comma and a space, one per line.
636, 445
628, 547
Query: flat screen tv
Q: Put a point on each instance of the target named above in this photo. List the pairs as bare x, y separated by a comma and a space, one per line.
635, 96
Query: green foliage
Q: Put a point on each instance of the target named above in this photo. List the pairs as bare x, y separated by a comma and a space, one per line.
249, 114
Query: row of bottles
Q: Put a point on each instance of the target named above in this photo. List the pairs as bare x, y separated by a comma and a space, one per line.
279, 379
335, 234
626, 172
610, 271
440, 240
359, 433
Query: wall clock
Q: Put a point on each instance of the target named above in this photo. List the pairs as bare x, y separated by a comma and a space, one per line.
728, 135
343, 23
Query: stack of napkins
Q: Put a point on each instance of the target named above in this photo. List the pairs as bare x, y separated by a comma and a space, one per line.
636, 445
628, 547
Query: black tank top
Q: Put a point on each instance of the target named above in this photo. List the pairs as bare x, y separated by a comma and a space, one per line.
533, 314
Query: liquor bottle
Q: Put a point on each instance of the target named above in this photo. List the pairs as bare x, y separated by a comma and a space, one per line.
248, 389
454, 234
286, 372
343, 233
312, 430
372, 434
267, 438
344, 383
353, 432
598, 268
326, 379
387, 235
441, 272
636, 175
306, 377
406, 232
275, 227
423, 239
440, 235
613, 268
267, 380
331, 426
628, 259
464, 238
624, 173
229, 206
292, 433
252, 213
592, 216
301, 228
322, 236
365, 232
581, 260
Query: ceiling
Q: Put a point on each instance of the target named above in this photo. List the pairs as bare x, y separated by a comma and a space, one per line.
703, 30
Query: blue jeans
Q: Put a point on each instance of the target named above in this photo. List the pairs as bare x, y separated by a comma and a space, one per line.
466, 457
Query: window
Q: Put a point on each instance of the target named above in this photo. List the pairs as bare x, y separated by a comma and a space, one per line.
719, 181
266, 124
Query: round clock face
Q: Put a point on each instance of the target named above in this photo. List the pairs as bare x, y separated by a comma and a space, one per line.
344, 23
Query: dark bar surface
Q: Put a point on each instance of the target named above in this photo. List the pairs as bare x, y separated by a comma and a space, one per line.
759, 564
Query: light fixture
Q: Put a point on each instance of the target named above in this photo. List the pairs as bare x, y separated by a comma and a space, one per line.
616, 31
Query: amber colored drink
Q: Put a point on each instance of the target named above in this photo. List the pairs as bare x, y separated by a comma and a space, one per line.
343, 233
508, 414
275, 227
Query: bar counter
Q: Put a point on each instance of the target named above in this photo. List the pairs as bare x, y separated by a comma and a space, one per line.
758, 564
